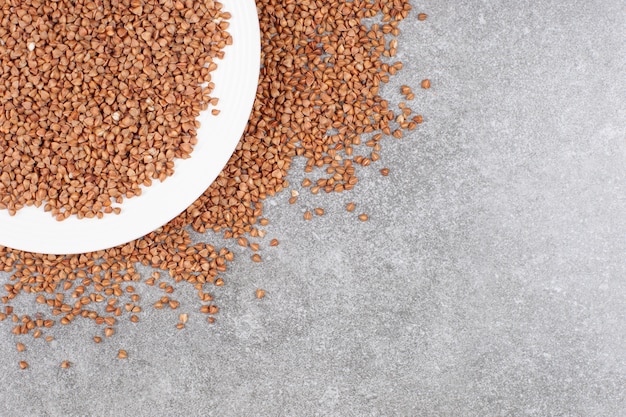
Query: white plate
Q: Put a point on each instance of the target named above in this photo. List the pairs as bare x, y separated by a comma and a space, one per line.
236, 78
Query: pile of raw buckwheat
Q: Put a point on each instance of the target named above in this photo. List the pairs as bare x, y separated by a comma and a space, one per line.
99, 97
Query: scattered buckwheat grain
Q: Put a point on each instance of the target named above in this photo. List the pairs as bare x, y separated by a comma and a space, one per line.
318, 100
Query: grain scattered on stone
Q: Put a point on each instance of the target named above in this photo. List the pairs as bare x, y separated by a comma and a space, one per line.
318, 101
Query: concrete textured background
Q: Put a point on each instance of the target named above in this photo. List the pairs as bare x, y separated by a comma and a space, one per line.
490, 280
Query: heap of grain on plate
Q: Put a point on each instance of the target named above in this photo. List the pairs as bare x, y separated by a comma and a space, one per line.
99, 97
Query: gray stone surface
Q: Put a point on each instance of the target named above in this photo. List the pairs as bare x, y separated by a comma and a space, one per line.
490, 280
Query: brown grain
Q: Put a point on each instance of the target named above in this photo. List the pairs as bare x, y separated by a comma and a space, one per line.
259, 293
108, 98
122, 354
